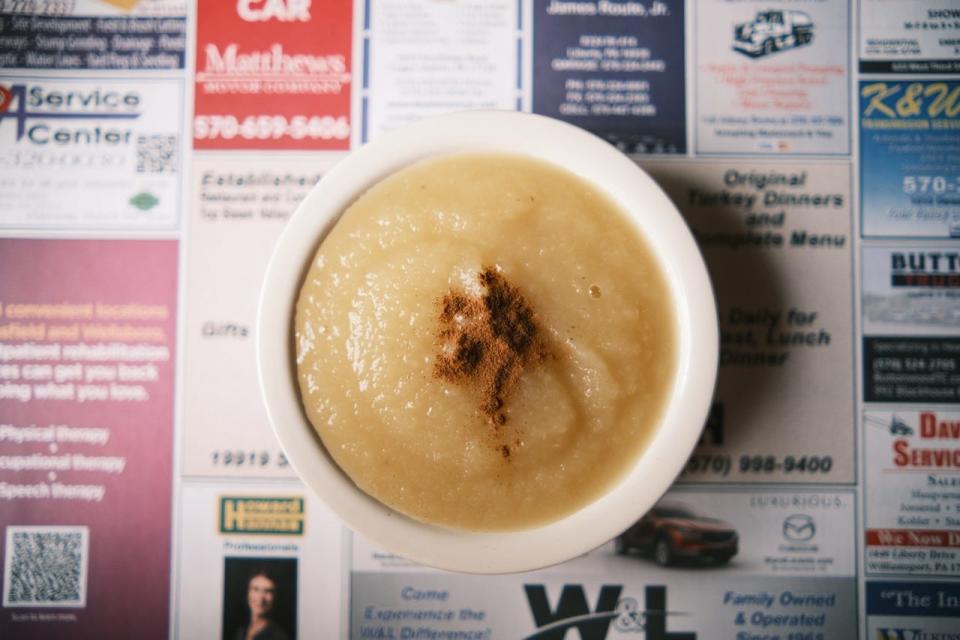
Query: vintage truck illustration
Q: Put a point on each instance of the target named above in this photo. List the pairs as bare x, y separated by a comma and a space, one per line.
771, 31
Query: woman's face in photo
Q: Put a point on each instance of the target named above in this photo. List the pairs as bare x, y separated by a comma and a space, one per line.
260, 595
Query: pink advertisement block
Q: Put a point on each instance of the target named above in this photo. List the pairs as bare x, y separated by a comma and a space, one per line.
87, 345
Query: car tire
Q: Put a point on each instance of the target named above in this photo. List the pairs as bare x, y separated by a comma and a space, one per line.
663, 553
768, 47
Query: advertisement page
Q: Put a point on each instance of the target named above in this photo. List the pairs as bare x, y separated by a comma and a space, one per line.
91, 35
914, 610
921, 36
912, 491
770, 234
614, 68
778, 564
153, 154
426, 58
772, 78
273, 75
86, 434
910, 172
911, 343
90, 153
247, 539
239, 208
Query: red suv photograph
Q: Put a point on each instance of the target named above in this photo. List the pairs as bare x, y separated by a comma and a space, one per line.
671, 532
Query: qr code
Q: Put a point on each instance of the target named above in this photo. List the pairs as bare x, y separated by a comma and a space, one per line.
45, 567
156, 154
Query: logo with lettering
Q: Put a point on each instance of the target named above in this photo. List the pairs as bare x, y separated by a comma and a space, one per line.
898, 634
932, 427
282, 10
273, 74
924, 102
37, 109
262, 515
799, 527
573, 612
925, 269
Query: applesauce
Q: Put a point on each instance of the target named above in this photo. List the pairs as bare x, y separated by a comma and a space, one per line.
484, 342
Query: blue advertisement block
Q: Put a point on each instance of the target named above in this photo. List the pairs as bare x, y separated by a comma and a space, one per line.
911, 369
926, 599
910, 163
92, 42
615, 68
913, 610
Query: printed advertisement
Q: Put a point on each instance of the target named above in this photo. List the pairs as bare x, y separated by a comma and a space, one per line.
909, 165
425, 58
912, 501
615, 68
96, 8
153, 151
916, 36
699, 564
729, 532
241, 204
90, 154
771, 236
911, 323
772, 78
913, 611
89, 34
265, 556
86, 436
273, 75
911, 290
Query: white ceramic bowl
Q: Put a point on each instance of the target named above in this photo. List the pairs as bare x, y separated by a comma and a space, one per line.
655, 217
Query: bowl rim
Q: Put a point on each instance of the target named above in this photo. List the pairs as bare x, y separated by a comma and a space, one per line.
647, 207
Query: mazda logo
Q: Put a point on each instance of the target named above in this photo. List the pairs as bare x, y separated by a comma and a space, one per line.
799, 527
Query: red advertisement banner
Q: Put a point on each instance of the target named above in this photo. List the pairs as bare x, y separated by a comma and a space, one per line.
273, 74
912, 538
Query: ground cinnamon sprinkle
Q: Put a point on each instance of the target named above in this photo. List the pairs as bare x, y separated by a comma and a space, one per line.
487, 341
